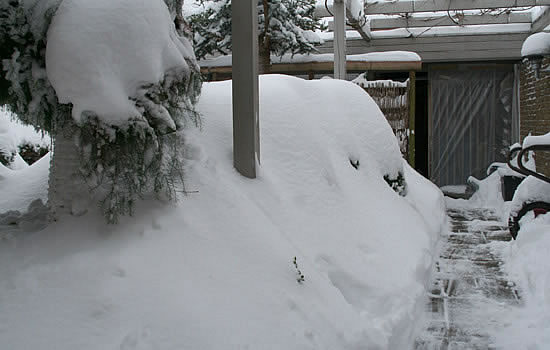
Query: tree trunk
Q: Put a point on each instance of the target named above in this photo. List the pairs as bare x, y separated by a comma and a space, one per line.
179, 21
67, 192
264, 56
264, 59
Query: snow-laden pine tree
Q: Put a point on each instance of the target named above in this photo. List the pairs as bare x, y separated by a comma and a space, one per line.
291, 28
116, 130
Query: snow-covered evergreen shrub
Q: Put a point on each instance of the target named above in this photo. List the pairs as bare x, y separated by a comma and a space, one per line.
6, 158
291, 27
31, 152
24, 86
398, 184
121, 162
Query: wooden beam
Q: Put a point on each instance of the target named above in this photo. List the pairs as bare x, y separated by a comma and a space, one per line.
358, 24
327, 67
339, 39
440, 20
411, 6
542, 22
444, 20
246, 142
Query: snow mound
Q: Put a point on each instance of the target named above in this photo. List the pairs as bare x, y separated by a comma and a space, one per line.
487, 194
530, 190
18, 188
528, 262
216, 271
13, 133
540, 140
100, 52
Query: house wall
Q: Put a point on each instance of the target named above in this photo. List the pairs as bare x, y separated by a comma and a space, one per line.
535, 108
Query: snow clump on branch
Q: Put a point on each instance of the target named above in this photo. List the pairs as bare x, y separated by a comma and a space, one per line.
117, 77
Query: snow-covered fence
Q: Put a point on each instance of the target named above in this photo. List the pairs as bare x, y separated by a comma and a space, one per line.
393, 99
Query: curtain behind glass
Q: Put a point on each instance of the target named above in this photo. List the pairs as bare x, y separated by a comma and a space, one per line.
471, 122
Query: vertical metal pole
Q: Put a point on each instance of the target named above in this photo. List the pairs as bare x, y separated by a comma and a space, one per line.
246, 138
412, 118
339, 8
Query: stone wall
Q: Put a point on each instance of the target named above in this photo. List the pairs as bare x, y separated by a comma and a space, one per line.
535, 107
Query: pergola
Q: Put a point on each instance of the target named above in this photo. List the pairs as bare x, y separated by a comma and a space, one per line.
441, 30
438, 30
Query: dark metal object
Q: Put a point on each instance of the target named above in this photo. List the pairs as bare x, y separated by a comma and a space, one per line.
538, 207
526, 171
513, 151
509, 186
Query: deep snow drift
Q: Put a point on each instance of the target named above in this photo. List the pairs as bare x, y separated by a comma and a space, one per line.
528, 262
13, 134
20, 185
215, 271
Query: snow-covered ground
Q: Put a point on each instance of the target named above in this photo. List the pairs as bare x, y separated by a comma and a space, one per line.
488, 195
13, 134
215, 271
526, 261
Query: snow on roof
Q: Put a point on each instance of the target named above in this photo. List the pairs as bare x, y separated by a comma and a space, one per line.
537, 44
388, 56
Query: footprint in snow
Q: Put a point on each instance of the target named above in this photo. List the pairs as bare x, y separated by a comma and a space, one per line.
137, 340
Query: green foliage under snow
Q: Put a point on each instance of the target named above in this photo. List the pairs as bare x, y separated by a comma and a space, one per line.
120, 164
290, 30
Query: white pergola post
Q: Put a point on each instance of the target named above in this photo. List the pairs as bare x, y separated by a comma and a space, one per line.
246, 136
339, 8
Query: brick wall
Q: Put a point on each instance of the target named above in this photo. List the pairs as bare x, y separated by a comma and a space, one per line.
535, 108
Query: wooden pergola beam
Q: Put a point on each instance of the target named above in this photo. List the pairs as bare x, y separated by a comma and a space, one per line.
541, 22
357, 24
443, 20
411, 6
